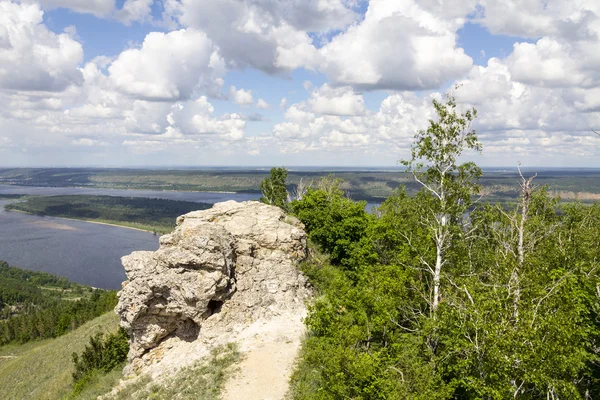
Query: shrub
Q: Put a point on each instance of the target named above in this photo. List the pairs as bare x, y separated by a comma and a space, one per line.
333, 222
101, 355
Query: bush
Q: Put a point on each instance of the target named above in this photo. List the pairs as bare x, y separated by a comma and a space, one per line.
101, 355
333, 222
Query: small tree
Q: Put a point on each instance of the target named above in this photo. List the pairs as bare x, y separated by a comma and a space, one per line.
433, 165
273, 188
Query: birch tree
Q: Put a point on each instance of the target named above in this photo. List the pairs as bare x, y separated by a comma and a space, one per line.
434, 165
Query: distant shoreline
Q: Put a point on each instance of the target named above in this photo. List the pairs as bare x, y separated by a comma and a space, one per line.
90, 221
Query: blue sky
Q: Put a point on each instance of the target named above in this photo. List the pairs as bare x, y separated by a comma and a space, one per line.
321, 82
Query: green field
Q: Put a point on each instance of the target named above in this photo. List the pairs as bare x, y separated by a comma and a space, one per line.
154, 215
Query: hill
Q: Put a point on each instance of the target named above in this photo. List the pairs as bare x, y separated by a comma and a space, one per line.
42, 369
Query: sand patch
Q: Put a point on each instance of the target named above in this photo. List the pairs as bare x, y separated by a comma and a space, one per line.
52, 225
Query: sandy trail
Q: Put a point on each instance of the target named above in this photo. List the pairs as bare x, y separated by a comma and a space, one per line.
270, 350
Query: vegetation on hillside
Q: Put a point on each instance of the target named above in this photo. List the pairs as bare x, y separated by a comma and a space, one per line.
100, 357
43, 369
202, 380
150, 214
425, 301
38, 305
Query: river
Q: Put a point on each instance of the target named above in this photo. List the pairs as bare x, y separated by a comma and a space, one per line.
83, 252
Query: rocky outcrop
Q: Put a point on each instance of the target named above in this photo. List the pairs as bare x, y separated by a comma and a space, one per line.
221, 270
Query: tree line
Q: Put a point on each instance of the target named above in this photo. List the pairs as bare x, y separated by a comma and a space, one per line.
38, 305
440, 296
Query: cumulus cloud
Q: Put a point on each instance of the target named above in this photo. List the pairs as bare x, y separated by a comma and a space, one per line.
87, 142
388, 130
537, 18
263, 105
566, 34
168, 66
31, 56
337, 101
241, 97
134, 10
270, 35
99, 8
540, 101
399, 45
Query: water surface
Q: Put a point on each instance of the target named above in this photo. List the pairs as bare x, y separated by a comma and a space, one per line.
83, 252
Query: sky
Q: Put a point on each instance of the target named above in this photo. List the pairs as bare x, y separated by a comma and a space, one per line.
294, 82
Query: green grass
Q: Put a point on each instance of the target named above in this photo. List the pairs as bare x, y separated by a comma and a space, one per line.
203, 380
42, 369
99, 384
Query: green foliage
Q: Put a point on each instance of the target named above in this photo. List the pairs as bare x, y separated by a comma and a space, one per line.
519, 313
333, 222
102, 355
41, 369
37, 305
371, 335
435, 153
19, 286
274, 189
151, 214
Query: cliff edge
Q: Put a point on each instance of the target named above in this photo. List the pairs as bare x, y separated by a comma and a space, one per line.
227, 274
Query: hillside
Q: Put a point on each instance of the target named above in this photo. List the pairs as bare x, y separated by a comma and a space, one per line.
42, 369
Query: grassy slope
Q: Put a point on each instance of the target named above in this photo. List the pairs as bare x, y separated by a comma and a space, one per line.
42, 370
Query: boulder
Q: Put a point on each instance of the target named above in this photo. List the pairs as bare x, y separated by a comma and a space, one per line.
230, 265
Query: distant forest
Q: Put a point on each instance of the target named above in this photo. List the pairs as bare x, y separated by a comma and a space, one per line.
371, 185
149, 214
38, 305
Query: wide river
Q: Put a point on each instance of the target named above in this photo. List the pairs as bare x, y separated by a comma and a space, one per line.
83, 252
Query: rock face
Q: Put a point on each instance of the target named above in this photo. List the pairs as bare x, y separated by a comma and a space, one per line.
221, 269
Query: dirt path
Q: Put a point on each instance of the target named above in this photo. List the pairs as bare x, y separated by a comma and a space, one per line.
270, 351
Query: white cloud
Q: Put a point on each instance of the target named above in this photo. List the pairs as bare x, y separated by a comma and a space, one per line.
270, 35
337, 101
168, 66
399, 45
263, 105
241, 97
132, 10
99, 8
297, 113
556, 63
283, 103
388, 131
536, 18
31, 56
87, 142
135, 10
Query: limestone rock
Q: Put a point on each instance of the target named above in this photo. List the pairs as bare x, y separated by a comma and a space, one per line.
227, 266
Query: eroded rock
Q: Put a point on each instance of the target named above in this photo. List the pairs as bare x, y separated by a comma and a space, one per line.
227, 266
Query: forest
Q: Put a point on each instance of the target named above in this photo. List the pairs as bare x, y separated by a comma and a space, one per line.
440, 295
149, 214
37, 305
371, 184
